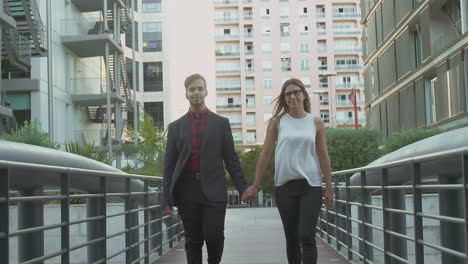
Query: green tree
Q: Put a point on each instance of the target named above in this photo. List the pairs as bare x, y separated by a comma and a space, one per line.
31, 133
249, 163
150, 147
405, 137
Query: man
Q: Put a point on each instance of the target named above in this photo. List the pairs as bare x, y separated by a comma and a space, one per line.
194, 180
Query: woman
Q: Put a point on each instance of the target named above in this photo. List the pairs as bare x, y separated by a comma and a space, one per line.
301, 157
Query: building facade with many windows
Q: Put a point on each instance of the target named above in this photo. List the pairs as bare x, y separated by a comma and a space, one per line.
415, 63
260, 44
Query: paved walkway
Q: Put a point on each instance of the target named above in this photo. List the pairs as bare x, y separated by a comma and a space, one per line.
254, 236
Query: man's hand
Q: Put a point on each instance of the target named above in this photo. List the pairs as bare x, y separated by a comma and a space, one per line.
251, 194
328, 196
169, 210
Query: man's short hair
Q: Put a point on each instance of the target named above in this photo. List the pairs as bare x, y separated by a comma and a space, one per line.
189, 80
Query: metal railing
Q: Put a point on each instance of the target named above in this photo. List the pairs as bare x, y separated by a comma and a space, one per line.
371, 224
21, 46
153, 237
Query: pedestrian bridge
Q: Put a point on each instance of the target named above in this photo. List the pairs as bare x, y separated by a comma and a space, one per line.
409, 211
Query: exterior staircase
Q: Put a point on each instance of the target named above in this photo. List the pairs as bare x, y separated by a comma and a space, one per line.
29, 24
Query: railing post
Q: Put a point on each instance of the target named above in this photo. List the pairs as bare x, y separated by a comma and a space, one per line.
5, 215
338, 234
146, 220
417, 207
65, 216
451, 204
349, 226
465, 190
31, 214
97, 229
365, 216
128, 222
385, 215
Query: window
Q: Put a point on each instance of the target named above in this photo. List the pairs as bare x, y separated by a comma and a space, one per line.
249, 84
285, 47
129, 67
152, 37
286, 64
267, 48
304, 47
249, 65
250, 101
303, 29
306, 82
266, 13
417, 46
267, 84
151, 6
266, 31
284, 29
302, 11
284, 12
128, 36
305, 65
251, 119
156, 111
267, 100
251, 137
153, 76
267, 66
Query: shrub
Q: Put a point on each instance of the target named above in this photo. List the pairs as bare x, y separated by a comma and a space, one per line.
350, 148
88, 150
403, 138
31, 133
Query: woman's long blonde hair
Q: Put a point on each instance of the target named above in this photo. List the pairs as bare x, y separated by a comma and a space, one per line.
280, 102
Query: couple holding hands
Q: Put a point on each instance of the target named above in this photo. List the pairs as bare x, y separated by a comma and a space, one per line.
200, 144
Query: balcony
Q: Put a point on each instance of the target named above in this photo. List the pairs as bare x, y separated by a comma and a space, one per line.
285, 34
86, 37
227, 20
321, 31
249, 52
228, 107
350, 31
248, 35
227, 37
322, 50
350, 50
235, 124
92, 92
349, 85
348, 67
226, 3
248, 17
324, 102
94, 5
346, 15
227, 72
345, 103
249, 69
227, 89
247, 1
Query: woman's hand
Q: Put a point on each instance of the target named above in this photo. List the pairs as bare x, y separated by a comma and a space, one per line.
328, 196
251, 194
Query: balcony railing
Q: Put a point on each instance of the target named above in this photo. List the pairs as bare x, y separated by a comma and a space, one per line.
249, 52
248, 17
228, 89
227, 37
320, 15
231, 71
247, 1
350, 31
321, 31
227, 54
227, 20
348, 67
346, 15
83, 26
81, 86
228, 107
235, 124
249, 69
324, 102
323, 67
344, 103
349, 85
248, 35
284, 34
348, 50
226, 3
322, 50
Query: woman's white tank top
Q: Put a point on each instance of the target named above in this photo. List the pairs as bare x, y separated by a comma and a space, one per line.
296, 156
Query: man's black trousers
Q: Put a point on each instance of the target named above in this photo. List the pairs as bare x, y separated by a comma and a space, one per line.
203, 220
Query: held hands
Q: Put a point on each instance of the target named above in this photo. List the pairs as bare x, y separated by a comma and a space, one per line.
251, 194
169, 210
328, 196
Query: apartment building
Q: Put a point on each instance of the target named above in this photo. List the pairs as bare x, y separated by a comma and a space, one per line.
168, 48
260, 44
415, 55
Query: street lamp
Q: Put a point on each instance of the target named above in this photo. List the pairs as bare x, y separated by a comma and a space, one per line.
330, 98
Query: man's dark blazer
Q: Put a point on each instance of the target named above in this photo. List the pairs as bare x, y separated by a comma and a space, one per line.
217, 146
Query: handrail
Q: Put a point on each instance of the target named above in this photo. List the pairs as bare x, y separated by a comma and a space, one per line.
156, 233
372, 225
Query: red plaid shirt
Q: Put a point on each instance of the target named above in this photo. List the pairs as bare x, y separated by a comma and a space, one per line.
198, 125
